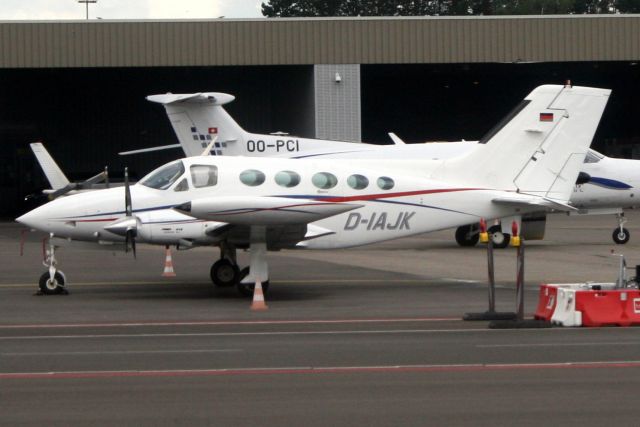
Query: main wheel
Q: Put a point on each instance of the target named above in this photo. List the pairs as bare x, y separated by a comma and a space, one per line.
51, 287
224, 273
246, 289
500, 240
621, 236
467, 235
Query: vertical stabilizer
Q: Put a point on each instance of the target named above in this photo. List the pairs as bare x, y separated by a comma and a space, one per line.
198, 118
51, 170
539, 147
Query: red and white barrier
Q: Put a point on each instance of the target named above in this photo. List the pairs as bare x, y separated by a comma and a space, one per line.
588, 304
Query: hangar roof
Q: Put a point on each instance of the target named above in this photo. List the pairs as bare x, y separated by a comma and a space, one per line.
289, 41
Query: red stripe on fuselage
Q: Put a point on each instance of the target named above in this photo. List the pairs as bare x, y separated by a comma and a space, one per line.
398, 194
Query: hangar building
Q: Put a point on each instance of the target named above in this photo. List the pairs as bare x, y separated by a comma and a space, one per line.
80, 86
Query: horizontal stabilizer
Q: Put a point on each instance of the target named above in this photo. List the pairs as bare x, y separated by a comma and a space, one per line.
147, 150
528, 201
396, 139
213, 98
255, 210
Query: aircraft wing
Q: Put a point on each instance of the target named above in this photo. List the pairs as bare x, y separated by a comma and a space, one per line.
255, 210
286, 220
528, 201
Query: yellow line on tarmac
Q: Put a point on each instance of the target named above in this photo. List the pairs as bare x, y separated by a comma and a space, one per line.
168, 282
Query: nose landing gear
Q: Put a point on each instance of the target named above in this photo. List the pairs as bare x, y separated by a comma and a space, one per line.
52, 282
620, 234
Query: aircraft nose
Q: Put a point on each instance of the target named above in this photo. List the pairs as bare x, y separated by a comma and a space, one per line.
32, 219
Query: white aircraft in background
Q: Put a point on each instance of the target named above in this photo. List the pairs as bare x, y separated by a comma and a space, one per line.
606, 186
528, 163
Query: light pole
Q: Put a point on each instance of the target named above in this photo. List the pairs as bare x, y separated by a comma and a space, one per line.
86, 2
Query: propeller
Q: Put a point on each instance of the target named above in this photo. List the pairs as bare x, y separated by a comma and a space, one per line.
127, 226
132, 229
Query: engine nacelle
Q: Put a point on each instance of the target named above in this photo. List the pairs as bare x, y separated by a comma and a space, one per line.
171, 228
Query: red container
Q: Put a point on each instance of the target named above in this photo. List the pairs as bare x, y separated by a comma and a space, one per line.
617, 307
546, 302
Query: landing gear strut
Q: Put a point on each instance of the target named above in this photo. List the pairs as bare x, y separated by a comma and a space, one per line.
52, 282
620, 234
226, 273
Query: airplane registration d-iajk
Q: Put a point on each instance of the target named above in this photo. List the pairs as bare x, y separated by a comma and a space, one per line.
528, 162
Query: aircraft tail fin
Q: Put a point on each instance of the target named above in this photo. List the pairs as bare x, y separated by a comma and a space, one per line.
539, 148
52, 171
199, 117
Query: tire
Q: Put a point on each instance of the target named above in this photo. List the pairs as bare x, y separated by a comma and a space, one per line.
621, 237
224, 273
500, 240
467, 235
246, 289
52, 287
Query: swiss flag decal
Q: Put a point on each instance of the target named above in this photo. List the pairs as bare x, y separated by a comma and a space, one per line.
213, 130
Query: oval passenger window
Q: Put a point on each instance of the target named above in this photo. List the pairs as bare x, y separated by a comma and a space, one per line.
324, 180
287, 179
385, 183
252, 177
357, 182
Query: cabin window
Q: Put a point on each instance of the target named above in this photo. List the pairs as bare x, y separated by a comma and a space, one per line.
324, 180
204, 175
163, 177
252, 177
385, 183
358, 182
182, 186
287, 179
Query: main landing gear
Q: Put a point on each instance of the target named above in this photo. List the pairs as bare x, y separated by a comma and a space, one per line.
52, 282
468, 235
620, 234
225, 272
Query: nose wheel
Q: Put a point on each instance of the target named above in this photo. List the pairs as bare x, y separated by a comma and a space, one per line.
52, 282
52, 285
620, 234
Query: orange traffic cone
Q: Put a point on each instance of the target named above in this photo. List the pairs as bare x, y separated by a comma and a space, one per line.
258, 303
168, 265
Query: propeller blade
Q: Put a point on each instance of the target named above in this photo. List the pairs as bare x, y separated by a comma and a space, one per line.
130, 242
127, 194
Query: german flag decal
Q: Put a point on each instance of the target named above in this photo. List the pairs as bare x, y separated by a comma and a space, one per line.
546, 117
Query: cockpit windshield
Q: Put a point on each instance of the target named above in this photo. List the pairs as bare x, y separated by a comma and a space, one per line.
163, 177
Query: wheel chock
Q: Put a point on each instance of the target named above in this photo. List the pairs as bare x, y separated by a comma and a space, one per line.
519, 324
489, 315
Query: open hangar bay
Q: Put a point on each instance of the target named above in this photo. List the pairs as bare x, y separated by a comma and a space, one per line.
361, 336
85, 117
79, 87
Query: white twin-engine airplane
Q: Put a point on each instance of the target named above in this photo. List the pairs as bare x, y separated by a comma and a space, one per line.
605, 186
528, 163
